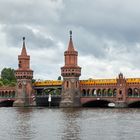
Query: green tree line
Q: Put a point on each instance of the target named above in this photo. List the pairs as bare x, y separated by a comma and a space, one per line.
7, 77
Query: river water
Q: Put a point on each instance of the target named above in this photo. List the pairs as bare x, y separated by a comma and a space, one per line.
69, 124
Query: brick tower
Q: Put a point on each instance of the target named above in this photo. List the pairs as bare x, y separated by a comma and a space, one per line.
24, 77
70, 72
121, 91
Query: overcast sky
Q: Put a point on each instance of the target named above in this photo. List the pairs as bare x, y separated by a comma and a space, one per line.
106, 34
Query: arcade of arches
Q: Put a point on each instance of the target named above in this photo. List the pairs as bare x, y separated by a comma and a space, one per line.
131, 92
7, 92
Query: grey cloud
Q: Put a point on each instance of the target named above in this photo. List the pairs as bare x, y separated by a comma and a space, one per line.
117, 20
38, 40
103, 29
37, 12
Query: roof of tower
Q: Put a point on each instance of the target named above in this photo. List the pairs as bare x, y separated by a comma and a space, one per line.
70, 46
24, 52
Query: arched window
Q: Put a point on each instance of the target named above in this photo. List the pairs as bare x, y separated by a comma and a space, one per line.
20, 86
67, 84
76, 84
129, 92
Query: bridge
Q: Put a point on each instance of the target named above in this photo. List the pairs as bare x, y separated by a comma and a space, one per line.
103, 91
7, 96
44, 88
96, 92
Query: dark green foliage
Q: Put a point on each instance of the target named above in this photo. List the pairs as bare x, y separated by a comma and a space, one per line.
33, 80
1, 83
59, 78
8, 77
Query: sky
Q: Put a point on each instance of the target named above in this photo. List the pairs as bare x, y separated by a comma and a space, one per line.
106, 34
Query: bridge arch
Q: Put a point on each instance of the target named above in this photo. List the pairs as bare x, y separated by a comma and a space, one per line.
6, 103
135, 104
52, 91
97, 103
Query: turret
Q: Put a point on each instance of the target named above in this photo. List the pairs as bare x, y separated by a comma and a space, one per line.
70, 72
24, 77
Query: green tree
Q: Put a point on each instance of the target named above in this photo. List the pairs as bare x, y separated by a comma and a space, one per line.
12, 84
59, 78
1, 83
6, 82
8, 77
8, 74
33, 80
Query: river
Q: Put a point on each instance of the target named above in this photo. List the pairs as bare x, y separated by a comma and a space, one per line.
69, 124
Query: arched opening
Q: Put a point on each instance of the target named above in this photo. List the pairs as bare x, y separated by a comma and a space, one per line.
20, 86
104, 92
114, 92
130, 92
77, 84
83, 92
13, 94
136, 92
97, 103
134, 104
67, 84
6, 94
52, 91
99, 92
110, 92
57, 91
94, 93
6, 103
2, 93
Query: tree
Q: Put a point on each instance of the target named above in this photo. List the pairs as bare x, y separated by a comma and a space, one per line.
33, 80
59, 78
8, 74
7, 77
1, 83
6, 82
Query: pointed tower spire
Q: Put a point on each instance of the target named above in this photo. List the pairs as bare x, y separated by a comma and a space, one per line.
24, 77
71, 73
23, 52
70, 46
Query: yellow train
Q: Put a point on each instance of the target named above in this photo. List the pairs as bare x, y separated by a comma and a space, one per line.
87, 82
48, 83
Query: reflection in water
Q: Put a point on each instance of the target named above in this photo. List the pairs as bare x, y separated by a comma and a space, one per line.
69, 124
23, 127
71, 129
